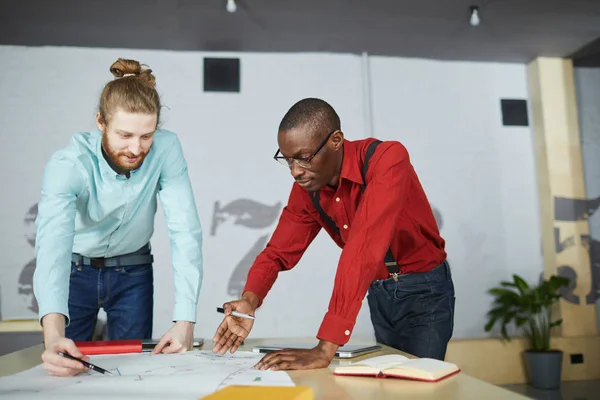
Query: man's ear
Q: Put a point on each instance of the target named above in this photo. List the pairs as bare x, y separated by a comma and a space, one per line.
100, 122
337, 139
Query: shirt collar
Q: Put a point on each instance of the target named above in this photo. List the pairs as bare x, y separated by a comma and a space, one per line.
351, 162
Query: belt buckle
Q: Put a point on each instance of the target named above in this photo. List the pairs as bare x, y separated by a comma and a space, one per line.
396, 270
97, 263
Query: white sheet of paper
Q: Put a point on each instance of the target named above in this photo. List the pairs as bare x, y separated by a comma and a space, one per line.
189, 375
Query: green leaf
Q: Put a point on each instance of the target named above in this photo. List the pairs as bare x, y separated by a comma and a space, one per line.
520, 321
488, 327
521, 284
556, 323
504, 333
558, 281
528, 308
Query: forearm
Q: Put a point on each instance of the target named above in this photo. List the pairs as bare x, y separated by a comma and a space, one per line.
252, 299
51, 279
261, 278
185, 234
53, 326
295, 231
328, 348
54, 245
187, 276
351, 284
286, 247
53, 265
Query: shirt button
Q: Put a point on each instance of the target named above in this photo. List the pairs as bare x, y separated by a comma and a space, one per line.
347, 332
345, 226
337, 199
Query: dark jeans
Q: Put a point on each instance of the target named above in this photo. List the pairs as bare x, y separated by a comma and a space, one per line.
415, 314
125, 293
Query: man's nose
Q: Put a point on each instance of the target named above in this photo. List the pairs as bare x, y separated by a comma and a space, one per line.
135, 147
296, 170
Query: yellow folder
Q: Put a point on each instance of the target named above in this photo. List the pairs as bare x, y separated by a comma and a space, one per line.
262, 393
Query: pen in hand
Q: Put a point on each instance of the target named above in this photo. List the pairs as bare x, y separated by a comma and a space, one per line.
86, 364
235, 313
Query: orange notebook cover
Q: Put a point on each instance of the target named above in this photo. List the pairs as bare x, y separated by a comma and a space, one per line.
110, 347
398, 366
262, 393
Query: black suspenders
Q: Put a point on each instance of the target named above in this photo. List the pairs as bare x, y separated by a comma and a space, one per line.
390, 261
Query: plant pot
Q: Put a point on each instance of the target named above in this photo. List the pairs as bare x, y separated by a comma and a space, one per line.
544, 368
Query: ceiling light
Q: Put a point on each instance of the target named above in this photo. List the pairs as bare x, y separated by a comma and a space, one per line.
474, 20
231, 6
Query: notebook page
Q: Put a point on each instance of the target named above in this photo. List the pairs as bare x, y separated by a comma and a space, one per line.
382, 362
428, 364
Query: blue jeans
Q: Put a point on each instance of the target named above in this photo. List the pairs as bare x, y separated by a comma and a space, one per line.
416, 313
126, 293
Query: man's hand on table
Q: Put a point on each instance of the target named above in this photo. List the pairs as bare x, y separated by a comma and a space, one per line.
317, 357
179, 339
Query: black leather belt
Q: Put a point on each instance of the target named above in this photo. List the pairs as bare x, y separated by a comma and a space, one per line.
141, 256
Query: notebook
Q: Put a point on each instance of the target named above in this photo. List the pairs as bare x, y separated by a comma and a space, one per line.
121, 346
346, 351
262, 393
398, 366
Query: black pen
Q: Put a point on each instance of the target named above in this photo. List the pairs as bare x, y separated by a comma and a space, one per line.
86, 364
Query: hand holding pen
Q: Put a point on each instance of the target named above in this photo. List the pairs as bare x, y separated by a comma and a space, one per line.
232, 331
86, 364
53, 363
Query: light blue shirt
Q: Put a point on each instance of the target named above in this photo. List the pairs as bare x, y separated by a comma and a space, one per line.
87, 208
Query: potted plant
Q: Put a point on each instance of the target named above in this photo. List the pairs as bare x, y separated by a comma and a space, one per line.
530, 309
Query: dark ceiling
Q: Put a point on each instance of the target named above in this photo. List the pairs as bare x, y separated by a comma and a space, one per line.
510, 30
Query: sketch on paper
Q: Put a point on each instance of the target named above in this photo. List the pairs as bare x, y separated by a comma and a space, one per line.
190, 375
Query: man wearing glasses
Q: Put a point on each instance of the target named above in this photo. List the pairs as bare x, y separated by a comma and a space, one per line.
368, 198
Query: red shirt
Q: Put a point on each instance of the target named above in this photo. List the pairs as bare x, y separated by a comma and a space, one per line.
392, 212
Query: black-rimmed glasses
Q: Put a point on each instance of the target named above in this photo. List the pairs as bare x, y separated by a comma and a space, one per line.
302, 162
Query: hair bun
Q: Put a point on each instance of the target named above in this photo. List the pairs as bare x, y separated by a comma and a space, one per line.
125, 68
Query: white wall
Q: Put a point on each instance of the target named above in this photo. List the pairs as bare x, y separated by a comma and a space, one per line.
479, 174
